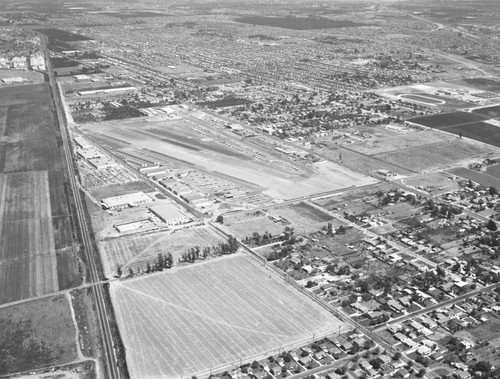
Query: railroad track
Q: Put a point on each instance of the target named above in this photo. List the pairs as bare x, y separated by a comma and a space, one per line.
111, 369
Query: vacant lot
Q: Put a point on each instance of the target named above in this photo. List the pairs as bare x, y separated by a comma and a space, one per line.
34, 216
398, 141
261, 224
438, 155
212, 315
137, 251
31, 335
448, 119
304, 217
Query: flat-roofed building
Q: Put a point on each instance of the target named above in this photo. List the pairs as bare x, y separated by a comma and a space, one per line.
169, 214
102, 162
126, 201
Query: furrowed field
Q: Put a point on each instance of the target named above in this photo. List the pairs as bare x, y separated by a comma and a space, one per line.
207, 316
36, 238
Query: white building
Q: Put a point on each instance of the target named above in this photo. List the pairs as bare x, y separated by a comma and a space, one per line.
126, 201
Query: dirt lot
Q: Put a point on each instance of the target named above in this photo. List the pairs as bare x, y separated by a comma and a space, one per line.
31, 337
435, 183
211, 316
135, 251
438, 156
399, 141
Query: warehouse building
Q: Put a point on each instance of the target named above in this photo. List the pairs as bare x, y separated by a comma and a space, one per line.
169, 214
125, 201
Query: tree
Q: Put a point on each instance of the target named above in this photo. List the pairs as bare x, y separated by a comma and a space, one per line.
440, 272
421, 373
130, 272
220, 219
148, 268
493, 191
119, 271
491, 225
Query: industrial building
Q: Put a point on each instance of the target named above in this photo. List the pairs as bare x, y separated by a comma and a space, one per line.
169, 214
134, 225
106, 90
101, 163
126, 201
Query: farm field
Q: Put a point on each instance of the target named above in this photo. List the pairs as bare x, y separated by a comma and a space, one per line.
30, 335
36, 236
137, 250
441, 121
479, 131
211, 315
490, 112
439, 155
296, 23
483, 179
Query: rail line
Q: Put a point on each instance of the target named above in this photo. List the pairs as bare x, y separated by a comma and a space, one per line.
111, 369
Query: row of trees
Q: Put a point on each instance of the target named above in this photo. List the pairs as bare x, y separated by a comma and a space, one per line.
165, 260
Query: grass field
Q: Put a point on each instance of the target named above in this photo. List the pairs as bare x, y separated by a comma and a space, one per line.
135, 251
31, 335
196, 318
34, 216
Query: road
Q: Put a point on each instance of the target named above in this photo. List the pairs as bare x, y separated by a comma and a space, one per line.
366, 331
103, 315
445, 303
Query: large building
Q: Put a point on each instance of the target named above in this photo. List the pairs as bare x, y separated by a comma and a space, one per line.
126, 201
169, 214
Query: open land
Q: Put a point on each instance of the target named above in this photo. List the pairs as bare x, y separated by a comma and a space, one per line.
31, 335
137, 250
35, 228
439, 155
195, 318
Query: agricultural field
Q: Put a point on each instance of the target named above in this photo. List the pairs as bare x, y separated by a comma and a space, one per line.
439, 155
482, 178
208, 317
297, 23
441, 121
490, 112
37, 251
31, 337
137, 250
